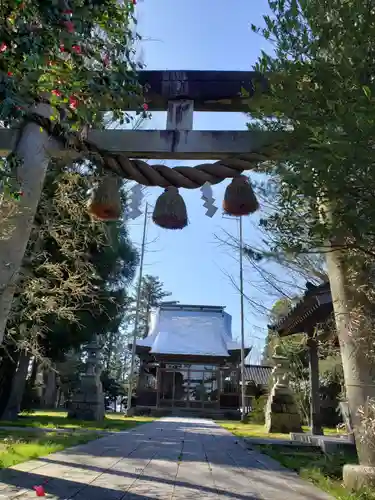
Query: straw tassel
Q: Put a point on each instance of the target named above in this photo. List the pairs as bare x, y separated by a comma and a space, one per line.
170, 210
239, 198
105, 201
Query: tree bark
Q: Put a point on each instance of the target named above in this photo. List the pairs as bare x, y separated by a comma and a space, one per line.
359, 370
34, 371
13, 406
8, 367
50, 389
147, 323
39, 385
32, 151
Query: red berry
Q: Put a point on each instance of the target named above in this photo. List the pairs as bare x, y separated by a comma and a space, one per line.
3, 47
76, 49
10, 73
62, 48
145, 106
56, 93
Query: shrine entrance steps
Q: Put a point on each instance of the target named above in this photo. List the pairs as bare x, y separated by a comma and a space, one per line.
221, 414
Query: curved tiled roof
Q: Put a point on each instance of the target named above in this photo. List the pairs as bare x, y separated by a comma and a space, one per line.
258, 374
316, 304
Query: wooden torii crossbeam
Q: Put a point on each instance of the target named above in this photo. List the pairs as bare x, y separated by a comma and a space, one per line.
180, 93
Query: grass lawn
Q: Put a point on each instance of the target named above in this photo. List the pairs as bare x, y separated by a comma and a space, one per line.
58, 420
325, 471
258, 431
18, 446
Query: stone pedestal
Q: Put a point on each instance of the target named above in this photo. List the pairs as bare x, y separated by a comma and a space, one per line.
88, 400
356, 477
281, 413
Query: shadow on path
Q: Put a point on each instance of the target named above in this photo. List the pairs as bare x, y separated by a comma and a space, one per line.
169, 459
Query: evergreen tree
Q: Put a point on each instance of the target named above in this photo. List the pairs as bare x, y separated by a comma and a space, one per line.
152, 295
74, 282
321, 102
279, 310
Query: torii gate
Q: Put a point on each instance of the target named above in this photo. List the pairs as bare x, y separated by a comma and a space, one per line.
120, 151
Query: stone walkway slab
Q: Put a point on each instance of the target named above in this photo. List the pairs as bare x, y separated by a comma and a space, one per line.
169, 459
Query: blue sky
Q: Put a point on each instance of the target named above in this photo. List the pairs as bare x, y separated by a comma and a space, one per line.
202, 35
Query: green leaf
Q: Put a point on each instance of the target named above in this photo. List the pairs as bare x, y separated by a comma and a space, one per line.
367, 92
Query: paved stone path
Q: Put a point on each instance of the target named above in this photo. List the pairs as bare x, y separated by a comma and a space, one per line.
169, 459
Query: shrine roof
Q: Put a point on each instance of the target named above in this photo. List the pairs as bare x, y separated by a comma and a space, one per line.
259, 374
190, 330
314, 307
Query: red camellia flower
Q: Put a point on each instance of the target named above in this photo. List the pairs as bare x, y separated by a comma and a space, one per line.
3, 47
76, 49
39, 491
73, 102
69, 26
145, 106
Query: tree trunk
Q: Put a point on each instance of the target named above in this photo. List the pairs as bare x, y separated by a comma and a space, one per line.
39, 385
34, 371
8, 369
110, 350
50, 389
13, 406
359, 370
147, 322
59, 398
32, 151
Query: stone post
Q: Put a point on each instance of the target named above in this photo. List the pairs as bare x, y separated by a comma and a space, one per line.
32, 150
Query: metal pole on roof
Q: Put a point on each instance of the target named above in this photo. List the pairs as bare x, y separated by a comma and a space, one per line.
136, 320
243, 386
